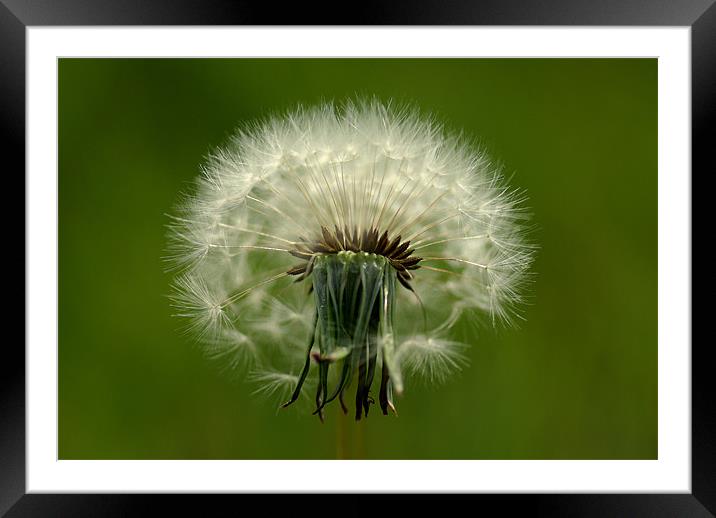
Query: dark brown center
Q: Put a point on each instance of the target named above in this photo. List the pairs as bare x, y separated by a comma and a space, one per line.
371, 241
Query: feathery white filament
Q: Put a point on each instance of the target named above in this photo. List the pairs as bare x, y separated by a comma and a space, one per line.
359, 166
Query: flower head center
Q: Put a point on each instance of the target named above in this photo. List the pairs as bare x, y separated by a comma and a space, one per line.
370, 241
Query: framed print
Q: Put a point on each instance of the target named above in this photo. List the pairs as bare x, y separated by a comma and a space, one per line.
421, 257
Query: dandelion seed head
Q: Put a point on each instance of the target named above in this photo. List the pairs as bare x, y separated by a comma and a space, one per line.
360, 227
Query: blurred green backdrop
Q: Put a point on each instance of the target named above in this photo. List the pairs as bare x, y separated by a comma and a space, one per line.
578, 380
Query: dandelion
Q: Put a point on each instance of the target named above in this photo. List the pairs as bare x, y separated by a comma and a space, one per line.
345, 242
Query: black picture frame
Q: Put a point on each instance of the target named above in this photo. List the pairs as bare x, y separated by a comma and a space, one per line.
17, 15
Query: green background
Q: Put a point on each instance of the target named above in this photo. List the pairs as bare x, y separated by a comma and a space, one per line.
577, 380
